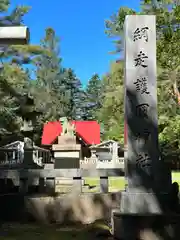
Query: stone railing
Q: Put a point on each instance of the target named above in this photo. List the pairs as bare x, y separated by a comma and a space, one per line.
41, 156
15, 157
95, 163
46, 179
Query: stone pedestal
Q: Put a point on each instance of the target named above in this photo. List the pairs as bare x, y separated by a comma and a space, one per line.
66, 139
145, 226
135, 205
67, 156
66, 185
66, 152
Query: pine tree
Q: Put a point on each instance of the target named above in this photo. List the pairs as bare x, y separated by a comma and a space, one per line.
13, 76
94, 97
49, 76
74, 95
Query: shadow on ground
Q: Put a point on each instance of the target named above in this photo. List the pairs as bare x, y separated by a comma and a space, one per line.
31, 231
84, 208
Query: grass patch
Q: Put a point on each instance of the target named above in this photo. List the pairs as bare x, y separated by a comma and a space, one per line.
118, 183
176, 177
115, 183
29, 232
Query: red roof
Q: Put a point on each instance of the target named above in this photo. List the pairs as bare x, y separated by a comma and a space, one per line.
89, 131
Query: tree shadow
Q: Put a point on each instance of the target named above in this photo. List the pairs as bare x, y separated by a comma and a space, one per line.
149, 178
145, 172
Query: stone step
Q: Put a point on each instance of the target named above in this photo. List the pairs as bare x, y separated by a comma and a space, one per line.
67, 181
64, 188
67, 188
63, 181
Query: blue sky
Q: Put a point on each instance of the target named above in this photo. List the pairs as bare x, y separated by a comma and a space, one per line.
80, 26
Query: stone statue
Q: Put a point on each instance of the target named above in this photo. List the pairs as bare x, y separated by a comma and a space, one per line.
64, 123
28, 143
71, 129
67, 127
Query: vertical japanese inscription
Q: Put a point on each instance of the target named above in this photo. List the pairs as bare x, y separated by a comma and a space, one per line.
141, 98
141, 86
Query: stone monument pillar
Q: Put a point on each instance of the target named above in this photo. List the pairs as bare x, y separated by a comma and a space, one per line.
143, 167
143, 161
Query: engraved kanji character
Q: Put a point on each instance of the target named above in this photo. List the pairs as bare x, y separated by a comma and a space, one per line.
144, 135
142, 110
139, 61
144, 162
141, 85
140, 33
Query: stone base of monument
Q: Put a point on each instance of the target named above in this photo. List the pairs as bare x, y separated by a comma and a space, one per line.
145, 226
140, 212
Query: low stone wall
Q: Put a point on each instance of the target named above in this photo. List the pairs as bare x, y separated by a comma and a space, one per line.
78, 208
83, 208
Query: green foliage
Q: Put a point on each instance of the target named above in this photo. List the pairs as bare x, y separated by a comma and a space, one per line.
169, 138
168, 59
93, 97
58, 92
115, 27
74, 95
111, 114
60, 89
14, 77
4, 5
48, 78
